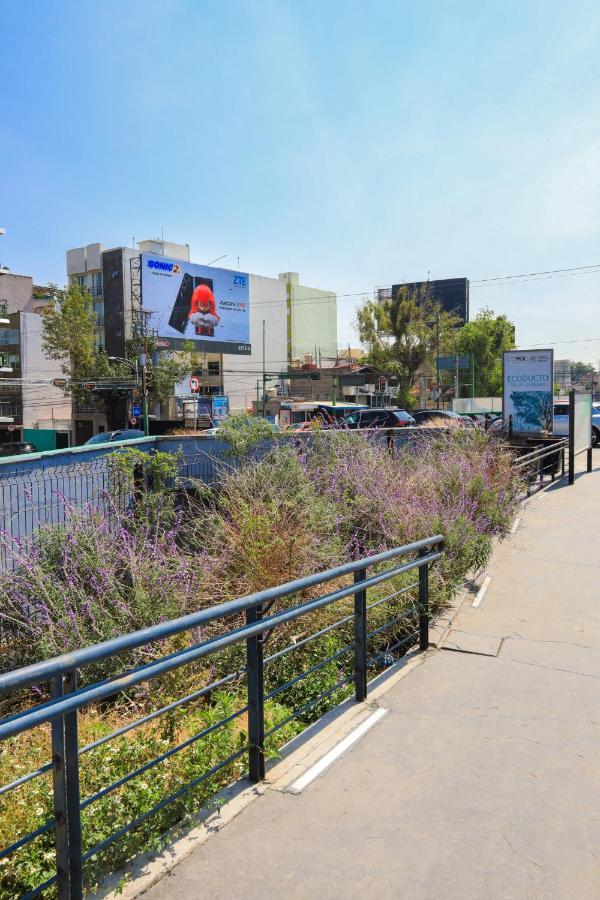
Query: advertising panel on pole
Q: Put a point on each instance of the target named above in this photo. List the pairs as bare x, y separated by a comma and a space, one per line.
528, 380
220, 409
582, 415
202, 304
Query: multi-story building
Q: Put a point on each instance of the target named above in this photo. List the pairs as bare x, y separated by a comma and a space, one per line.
297, 320
39, 410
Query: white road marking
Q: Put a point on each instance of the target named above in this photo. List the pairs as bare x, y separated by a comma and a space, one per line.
481, 592
319, 767
515, 524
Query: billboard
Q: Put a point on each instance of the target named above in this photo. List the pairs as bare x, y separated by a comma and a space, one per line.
452, 294
196, 303
528, 379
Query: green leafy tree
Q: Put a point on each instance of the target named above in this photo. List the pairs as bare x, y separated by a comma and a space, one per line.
579, 370
68, 332
402, 335
486, 337
68, 337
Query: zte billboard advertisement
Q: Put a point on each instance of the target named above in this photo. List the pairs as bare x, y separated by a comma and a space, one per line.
196, 303
528, 390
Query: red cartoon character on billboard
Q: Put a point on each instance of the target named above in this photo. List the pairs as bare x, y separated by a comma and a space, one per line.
203, 311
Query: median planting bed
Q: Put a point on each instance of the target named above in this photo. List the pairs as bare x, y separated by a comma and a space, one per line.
300, 508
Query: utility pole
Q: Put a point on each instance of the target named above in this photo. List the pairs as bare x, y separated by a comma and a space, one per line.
437, 358
143, 361
456, 387
264, 372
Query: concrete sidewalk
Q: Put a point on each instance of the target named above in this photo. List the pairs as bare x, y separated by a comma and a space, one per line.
484, 779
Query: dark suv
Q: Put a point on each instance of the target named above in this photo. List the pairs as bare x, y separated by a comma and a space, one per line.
378, 418
14, 448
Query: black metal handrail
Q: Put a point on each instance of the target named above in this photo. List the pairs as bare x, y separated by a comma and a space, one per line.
531, 466
67, 699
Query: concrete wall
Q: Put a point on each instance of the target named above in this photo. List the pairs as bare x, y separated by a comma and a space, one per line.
267, 297
41, 400
314, 321
17, 290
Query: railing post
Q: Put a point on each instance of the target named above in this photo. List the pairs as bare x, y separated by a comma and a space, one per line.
73, 796
360, 637
59, 785
563, 459
424, 602
571, 437
589, 459
256, 699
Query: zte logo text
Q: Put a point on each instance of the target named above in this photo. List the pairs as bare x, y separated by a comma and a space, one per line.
240, 279
164, 266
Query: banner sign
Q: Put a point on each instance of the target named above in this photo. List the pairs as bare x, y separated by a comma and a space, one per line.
528, 379
205, 305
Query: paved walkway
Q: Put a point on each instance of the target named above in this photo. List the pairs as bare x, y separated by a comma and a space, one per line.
484, 779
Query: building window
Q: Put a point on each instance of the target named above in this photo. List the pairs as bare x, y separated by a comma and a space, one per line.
214, 368
96, 284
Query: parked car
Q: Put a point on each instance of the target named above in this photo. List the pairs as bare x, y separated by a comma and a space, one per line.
561, 421
441, 418
378, 418
15, 448
107, 437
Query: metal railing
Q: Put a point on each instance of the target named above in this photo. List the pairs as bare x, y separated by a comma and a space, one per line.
543, 460
363, 649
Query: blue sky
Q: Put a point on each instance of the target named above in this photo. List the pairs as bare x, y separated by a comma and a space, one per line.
359, 144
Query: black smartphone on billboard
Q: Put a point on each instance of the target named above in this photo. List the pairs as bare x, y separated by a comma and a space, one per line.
204, 330
183, 302
207, 281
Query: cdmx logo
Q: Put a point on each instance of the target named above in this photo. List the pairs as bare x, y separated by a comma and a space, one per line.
173, 268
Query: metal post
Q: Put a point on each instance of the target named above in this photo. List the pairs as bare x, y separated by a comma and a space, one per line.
571, 437
256, 694
424, 602
563, 459
437, 360
264, 376
143, 361
60, 797
360, 637
589, 459
73, 796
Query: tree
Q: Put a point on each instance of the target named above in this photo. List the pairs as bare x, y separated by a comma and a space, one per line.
402, 335
486, 337
68, 332
581, 369
68, 337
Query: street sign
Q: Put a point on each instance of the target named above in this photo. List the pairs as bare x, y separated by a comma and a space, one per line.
194, 384
137, 410
10, 426
133, 421
162, 343
89, 385
453, 362
59, 382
